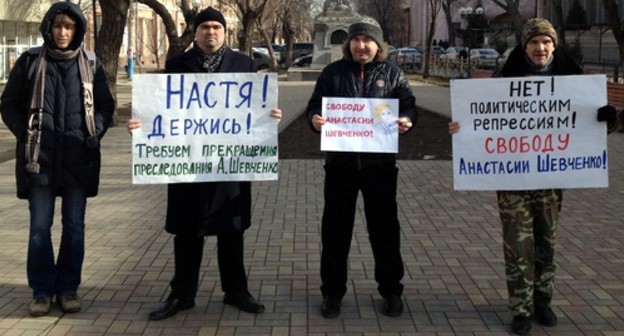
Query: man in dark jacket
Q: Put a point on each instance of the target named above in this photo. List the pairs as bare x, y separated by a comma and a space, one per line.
195, 210
363, 72
530, 217
59, 109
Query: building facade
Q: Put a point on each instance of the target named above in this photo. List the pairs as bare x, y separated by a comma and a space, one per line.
144, 35
497, 19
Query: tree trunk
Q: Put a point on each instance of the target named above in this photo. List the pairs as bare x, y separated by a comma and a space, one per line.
427, 60
612, 10
560, 21
512, 7
449, 23
110, 38
177, 44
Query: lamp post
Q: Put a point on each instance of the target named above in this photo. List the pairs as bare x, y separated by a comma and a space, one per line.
471, 15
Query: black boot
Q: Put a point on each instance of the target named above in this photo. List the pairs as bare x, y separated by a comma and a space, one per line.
244, 301
330, 307
171, 307
521, 325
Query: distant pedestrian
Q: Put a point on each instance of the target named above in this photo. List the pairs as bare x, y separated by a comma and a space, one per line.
58, 105
199, 209
530, 217
364, 72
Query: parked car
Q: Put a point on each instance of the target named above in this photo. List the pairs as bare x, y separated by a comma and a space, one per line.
298, 49
454, 53
303, 61
409, 57
276, 50
262, 60
484, 57
436, 51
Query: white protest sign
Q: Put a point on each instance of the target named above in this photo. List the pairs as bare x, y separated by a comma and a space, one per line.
529, 133
360, 125
200, 127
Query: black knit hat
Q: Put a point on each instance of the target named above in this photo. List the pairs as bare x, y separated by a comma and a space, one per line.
366, 26
209, 14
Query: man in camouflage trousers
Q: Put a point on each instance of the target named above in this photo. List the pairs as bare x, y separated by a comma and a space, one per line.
530, 217
530, 221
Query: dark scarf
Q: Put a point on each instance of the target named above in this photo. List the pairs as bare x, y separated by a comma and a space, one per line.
35, 117
210, 62
547, 69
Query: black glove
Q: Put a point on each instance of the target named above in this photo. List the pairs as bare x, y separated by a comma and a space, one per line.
92, 142
607, 113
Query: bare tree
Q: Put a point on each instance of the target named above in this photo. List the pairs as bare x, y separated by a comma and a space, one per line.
249, 12
295, 16
559, 21
386, 12
513, 8
110, 38
177, 42
155, 41
615, 23
434, 6
268, 22
20, 10
446, 7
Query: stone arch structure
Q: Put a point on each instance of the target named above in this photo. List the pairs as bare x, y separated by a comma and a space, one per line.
331, 31
338, 36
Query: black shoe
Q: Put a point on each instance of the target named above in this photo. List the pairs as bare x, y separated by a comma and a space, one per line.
521, 325
171, 307
393, 305
546, 317
330, 307
244, 301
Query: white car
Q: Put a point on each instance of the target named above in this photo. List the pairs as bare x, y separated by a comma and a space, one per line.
409, 57
484, 57
454, 53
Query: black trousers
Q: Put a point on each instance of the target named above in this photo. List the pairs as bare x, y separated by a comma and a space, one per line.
378, 186
188, 251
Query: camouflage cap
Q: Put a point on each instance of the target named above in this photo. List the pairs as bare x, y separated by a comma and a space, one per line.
538, 26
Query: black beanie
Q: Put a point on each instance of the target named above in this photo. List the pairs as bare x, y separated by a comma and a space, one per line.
209, 14
366, 26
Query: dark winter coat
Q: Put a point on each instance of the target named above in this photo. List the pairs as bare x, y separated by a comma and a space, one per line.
65, 159
208, 208
381, 80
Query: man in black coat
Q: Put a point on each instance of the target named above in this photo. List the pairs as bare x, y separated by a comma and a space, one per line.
58, 106
366, 72
195, 210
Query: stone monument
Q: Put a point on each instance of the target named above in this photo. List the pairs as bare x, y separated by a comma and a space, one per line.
331, 31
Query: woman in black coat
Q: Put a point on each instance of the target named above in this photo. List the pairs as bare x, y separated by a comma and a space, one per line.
58, 106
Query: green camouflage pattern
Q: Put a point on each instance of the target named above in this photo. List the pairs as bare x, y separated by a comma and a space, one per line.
530, 219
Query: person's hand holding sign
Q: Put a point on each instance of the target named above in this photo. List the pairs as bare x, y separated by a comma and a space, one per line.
404, 124
318, 122
277, 114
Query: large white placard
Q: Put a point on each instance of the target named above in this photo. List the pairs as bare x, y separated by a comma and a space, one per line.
360, 125
199, 127
529, 133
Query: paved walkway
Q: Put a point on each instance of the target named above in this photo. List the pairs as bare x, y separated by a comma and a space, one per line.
454, 281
